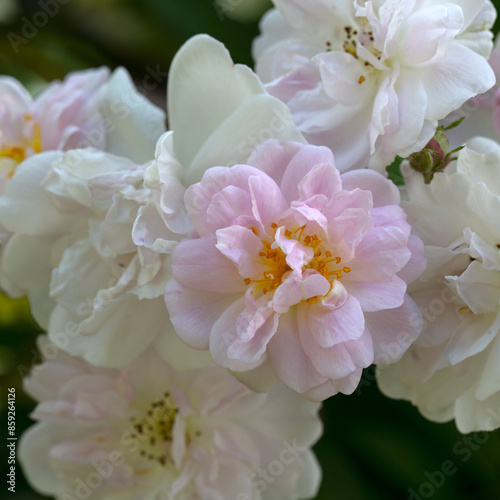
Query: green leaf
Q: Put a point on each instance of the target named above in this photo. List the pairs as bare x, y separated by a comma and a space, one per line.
394, 172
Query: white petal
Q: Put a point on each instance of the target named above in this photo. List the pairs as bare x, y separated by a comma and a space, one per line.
135, 124
25, 207
204, 88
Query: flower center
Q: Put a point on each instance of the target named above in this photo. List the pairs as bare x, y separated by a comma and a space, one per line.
273, 257
154, 430
19, 153
359, 43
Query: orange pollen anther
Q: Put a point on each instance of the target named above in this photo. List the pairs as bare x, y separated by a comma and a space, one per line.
275, 260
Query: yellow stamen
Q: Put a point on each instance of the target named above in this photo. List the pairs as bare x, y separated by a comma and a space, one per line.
18, 153
275, 260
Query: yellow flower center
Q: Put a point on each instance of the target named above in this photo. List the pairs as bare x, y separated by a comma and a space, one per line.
274, 259
18, 153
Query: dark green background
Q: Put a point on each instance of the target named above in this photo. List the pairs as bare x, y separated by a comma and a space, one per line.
373, 447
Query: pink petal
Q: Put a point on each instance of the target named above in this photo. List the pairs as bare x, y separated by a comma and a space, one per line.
224, 335
199, 196
327, 327
377, 295
252, 350
226, 206
390, 215
273, 157
241, 246
347, 200
350, 227
340, 360
297, 255
417, 263
292, 365
268, 204
346, 385
381, 253
306, 158
252, 319
295, 289
193, 313
311, 214
198, 264
384, 191
323, 179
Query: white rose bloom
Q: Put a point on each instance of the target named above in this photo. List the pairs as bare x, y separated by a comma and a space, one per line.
152, 433
371, 79
453, 370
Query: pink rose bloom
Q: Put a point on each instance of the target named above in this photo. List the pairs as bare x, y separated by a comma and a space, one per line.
295, 271
89, 108
56, 120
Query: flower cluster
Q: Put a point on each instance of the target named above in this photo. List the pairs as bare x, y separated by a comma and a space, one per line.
204, 288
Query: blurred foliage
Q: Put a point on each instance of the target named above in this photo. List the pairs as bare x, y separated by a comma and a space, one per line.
373, 447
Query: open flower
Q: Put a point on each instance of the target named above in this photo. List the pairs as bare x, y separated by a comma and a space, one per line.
150, 432
88, 109
451, 372
370, 79
294, 269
